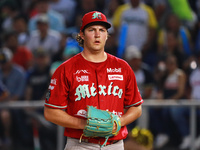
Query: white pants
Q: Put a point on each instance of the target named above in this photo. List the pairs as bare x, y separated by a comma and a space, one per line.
73, 144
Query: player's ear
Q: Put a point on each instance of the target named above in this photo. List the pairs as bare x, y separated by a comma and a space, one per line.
82, 35
107, 35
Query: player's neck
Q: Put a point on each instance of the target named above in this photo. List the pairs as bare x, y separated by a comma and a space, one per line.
94, 57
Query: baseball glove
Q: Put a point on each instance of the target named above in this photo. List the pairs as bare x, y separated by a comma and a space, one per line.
100, 123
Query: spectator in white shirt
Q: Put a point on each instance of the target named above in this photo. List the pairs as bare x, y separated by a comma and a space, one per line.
43, 37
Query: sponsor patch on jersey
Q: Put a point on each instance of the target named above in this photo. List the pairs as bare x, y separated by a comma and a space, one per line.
82, 71
115, 77
82, 78
48, 95
82, 113
111, 70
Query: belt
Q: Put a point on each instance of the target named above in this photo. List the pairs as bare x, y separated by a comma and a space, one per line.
99, 141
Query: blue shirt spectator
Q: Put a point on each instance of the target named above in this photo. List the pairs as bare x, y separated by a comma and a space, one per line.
15, 81
12, 76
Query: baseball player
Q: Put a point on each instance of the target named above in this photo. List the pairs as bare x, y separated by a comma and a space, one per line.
92, 78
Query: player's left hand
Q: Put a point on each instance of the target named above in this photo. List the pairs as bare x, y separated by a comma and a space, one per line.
101, 123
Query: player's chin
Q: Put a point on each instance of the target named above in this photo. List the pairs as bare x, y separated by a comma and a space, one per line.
97, 48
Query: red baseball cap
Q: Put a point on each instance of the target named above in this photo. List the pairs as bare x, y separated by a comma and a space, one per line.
94, 17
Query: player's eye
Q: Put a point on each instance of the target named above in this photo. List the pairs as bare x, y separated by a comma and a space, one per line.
102, 30
91, 29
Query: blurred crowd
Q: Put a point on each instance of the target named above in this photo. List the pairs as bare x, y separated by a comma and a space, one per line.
160, 39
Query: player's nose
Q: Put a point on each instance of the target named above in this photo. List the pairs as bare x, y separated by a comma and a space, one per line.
97, 33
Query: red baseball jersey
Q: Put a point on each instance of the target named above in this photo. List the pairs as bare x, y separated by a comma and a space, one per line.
109, 85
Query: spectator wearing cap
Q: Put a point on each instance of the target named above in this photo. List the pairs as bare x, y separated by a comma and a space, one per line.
142, 72
44, 37
143, 76
13, 77
56, 20
38, 76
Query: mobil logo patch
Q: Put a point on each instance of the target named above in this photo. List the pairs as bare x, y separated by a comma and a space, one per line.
112, 70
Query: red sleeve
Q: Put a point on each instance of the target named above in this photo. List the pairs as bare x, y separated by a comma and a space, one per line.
58, 90
132, 94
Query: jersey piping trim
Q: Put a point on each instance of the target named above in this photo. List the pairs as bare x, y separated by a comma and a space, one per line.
55, 106
135, 104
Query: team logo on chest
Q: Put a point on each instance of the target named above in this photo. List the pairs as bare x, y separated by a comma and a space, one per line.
81, 71
83, 91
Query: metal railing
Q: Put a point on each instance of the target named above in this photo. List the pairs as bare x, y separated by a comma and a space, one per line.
192, 104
